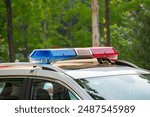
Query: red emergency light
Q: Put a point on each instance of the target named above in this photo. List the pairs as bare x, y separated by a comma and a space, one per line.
104, 52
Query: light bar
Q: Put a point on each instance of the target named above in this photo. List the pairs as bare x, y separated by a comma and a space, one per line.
53, 55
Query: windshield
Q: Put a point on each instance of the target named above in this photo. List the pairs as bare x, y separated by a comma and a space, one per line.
123, 87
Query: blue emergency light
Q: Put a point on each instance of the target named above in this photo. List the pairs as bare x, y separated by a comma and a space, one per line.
53, 55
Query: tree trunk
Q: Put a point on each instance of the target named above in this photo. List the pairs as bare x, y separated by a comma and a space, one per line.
95, 23
107, 24
44, 36
10, 31
25, 27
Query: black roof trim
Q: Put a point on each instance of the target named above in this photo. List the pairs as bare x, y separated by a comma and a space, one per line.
125, 63
49, 69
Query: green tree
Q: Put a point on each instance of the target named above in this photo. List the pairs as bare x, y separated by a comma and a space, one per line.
3, 33
10, 31
107, 22
67, 23
95, 23
140, 23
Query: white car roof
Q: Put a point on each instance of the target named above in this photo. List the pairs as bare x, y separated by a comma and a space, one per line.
24, 68
77, 69
105, 71
91, 68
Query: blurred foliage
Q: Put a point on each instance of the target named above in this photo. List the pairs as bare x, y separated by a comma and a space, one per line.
140, 35
120, 40
67, 23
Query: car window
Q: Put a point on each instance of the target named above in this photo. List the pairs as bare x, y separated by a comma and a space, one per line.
10, 89
48, 90
121, 87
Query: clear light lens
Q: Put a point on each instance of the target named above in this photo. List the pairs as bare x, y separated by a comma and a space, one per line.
83, 53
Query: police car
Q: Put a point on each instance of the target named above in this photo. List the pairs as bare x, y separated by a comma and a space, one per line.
74, 74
